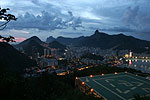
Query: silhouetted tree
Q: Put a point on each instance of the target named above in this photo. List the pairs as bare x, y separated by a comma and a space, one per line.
5, 19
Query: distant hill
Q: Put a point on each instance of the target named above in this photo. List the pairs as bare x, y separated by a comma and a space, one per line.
65, 40
57, 45
105, 41
35, 38
12, 60
32, 46
50, 39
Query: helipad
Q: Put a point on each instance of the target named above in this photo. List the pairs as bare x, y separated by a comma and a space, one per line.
122, 86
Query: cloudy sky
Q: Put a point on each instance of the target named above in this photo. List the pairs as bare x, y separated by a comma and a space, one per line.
74, 18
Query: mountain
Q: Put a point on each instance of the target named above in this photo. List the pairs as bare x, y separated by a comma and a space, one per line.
57, 45
12, 60
65, 40
70, 41
105, 41
50, 39
31, 46
35, 38
120, 42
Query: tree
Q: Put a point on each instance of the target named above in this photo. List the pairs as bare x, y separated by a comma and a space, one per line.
5, 19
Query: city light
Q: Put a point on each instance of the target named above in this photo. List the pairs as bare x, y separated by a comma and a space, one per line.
76, 78
91, 90
91, 75
83, 83
102, 74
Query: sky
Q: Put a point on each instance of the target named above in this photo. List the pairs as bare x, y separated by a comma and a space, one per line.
74, 18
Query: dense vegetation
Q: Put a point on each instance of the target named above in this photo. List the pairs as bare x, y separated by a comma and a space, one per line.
45, 87
11, 59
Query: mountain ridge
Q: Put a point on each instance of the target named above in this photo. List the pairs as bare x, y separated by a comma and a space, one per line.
105, 41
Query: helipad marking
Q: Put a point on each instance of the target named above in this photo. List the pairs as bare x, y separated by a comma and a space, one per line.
139, 84
95, 90
134, 84
139, 79
112, 85
127, 84
126, 91
133, 88
146, 90
110, 90
118, 90
108, 81
107, 78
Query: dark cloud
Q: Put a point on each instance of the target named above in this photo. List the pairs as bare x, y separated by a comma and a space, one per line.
130, 16
46, 21
137, 19
119, 29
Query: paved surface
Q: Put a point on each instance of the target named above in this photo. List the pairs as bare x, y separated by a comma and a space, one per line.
120, 86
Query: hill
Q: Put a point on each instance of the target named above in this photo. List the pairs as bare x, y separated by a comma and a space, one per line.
12, 60
32, 46
25, 42
56, 45
65, 40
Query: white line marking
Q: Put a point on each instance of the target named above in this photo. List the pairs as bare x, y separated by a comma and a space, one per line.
110, 77
109, 90
126, 91
107, 81
118, 90
133, 88
146, 90
112, 85
127, 84
139, 84
139, 80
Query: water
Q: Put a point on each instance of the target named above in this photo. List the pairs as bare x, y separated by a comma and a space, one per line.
142, 65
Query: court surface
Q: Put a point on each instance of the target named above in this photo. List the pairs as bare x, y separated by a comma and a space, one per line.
120, 86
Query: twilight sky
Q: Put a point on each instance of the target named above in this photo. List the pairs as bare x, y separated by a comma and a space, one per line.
74, 18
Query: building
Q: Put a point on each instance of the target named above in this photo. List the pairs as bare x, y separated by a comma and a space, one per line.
122, 86
46, 62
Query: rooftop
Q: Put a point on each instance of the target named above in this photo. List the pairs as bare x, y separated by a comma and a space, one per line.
122, 86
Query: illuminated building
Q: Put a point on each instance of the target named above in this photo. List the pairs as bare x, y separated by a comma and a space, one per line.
130, 55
